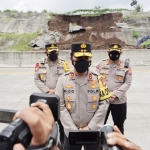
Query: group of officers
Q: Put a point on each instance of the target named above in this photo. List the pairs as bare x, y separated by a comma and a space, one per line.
86, 97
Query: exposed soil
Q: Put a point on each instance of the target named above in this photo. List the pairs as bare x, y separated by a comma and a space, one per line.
94, 27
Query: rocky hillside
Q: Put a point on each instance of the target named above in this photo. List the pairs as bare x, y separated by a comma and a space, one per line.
27, 31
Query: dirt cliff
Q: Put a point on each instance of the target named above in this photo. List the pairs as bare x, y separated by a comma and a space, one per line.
94, 28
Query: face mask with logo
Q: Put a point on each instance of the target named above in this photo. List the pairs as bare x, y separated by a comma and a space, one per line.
82, 65
114, 55
53, 56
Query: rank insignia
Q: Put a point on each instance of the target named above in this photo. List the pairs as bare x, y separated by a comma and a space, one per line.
68, 98
90, 76
71, 75
103, 81
94, 106
41, 76
94, 98
120, 78
68, 86
69, 106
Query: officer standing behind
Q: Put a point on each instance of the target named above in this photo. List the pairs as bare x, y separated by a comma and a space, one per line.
47, 73
81, 106
118, 76
49, 69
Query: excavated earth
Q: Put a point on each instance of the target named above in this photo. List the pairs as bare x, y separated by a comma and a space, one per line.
94, 26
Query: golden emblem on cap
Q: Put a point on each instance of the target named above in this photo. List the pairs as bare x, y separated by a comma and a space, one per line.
94, 98
69, 106
52, 45
83, 45
115, 46
94, 106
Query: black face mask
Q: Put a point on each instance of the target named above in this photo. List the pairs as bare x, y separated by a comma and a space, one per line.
82, 65
114, 55
53, 56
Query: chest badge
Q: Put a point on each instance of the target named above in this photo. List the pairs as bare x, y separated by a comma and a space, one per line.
68, 98
94, 106
94, 98
41, 76
120, 78
69, 106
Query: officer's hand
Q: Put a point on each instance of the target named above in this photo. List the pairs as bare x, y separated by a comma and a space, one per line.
51, 91
86, 128
39, 122
117, 138
112, 95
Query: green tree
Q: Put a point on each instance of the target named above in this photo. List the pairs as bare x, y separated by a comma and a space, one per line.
137, 7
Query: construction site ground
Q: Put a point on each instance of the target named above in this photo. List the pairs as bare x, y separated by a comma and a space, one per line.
17, 84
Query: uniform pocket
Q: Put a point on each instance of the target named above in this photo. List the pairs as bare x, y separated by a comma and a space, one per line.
120, 75
93, 101
105, 72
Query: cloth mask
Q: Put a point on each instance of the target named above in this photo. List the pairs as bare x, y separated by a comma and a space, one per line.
82, 65
114, 55
53, 56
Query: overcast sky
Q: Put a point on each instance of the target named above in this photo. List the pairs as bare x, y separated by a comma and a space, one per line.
63, 6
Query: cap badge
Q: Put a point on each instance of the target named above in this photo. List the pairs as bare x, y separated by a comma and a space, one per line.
83, 45
115, 46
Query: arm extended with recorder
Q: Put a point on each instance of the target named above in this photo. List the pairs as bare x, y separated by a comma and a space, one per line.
19, 132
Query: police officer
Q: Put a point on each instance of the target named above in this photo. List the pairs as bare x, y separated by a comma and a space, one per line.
47, 73
48, 70
118, 76
81, 106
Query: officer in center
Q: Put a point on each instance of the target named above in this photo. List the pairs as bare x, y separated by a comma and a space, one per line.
83, 96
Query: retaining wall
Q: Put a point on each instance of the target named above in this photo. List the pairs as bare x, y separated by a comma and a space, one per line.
29, 58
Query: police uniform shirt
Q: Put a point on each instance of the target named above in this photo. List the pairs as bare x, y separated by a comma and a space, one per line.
118, 79
46, 75
80, 103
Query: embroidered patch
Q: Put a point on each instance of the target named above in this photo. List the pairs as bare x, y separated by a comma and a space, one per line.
41, 76
120, 78
94, 98
69, 106
68, 98
94, 106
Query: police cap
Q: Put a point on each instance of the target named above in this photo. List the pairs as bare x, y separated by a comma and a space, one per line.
115, 47
51, 47
81, 49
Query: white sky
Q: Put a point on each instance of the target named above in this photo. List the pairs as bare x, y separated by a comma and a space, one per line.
63, 6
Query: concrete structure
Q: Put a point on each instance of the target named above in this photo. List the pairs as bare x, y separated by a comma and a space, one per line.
28, 59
